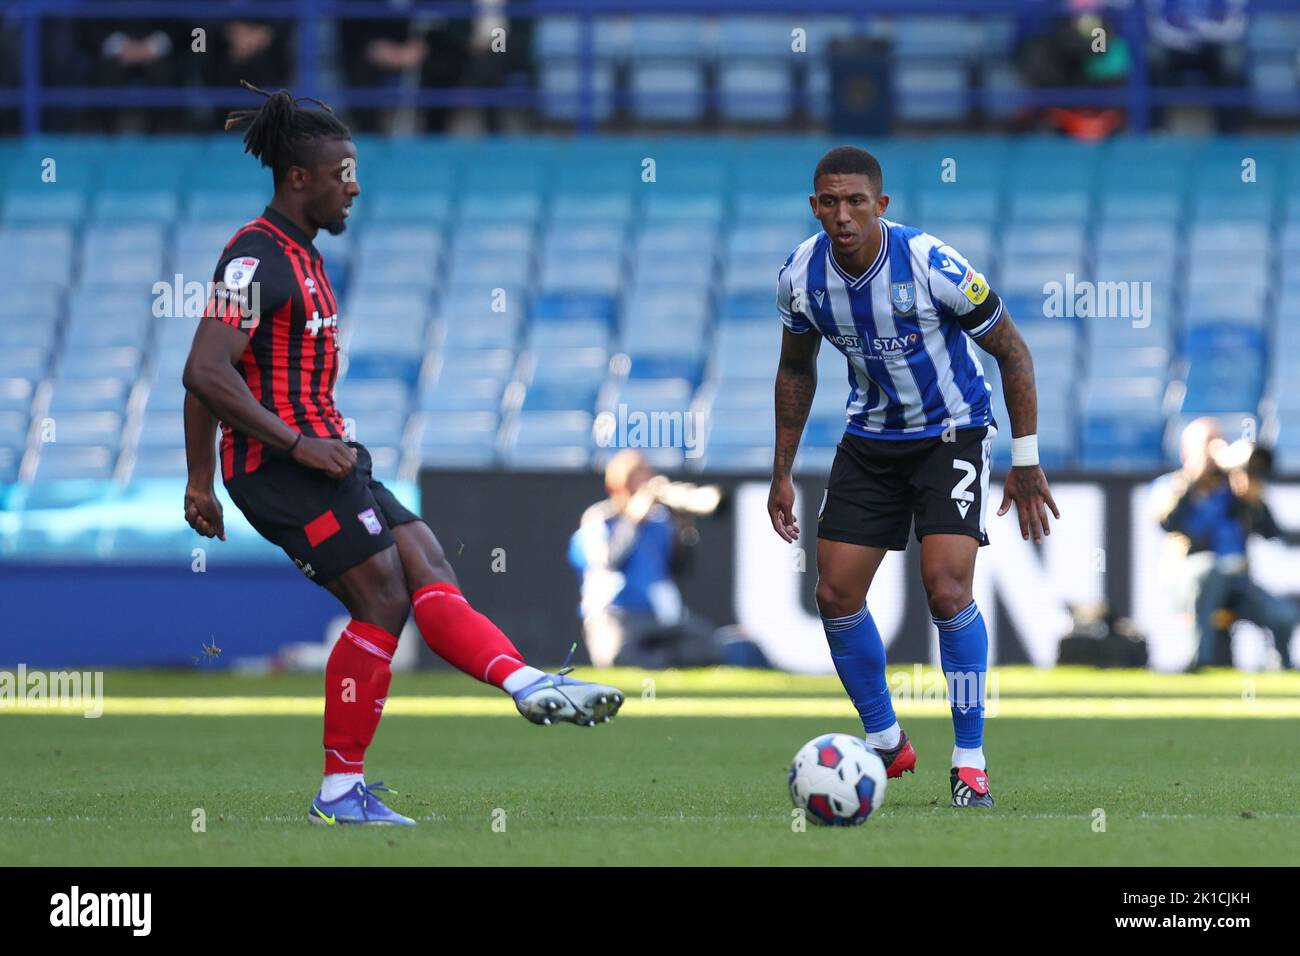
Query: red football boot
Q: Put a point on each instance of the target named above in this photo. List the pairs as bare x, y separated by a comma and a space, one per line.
970, 787
902, 758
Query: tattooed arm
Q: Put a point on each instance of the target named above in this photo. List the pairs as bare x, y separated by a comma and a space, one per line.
796, 381
1026, 485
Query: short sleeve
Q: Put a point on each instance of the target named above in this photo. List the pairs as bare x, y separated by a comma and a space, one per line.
793, 308
962, 293
248, 283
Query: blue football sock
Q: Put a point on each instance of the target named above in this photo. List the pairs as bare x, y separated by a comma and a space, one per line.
859, 656
964, 653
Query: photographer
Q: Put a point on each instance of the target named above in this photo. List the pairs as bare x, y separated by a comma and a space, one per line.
1217, 510
627, 549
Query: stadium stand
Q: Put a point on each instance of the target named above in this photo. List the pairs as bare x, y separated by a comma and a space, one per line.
490, 327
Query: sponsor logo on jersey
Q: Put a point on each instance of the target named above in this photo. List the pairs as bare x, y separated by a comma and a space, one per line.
371, 523
893, 346
316, 323
239, 272
846, 343
819, 294
903, 295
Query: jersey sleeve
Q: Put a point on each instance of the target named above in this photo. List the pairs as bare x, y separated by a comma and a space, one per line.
792, 306
961, 293
252, 279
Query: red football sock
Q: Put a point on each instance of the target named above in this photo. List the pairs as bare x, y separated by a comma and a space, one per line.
462, 636
356, 688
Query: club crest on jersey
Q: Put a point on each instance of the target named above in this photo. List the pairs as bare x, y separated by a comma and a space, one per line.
371, 523
903, 295
239, 272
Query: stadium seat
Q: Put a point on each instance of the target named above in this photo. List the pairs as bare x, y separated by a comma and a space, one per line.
59, 462
90, 394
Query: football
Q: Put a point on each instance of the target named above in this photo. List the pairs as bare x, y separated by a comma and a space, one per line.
838, 780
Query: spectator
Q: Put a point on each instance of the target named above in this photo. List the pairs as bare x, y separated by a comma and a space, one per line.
1217, 512
1058, 48
404, 53
627, 549
143, 53
252, 50
1199, 42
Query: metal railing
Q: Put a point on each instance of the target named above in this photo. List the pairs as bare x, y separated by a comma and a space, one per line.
31, 96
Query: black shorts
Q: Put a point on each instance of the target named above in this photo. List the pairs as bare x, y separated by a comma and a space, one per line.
325, 524
878, 485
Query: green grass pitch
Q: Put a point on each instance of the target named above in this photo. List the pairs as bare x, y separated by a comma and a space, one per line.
1203, 772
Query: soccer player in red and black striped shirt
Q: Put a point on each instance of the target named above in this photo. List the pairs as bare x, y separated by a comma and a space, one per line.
264, 362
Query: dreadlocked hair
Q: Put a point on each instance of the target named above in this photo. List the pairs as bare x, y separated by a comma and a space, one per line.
280, 132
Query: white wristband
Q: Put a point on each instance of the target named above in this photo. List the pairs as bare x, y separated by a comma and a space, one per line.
1024, 451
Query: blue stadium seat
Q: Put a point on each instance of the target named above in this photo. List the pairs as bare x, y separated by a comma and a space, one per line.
559, 307
672, 37
454, 365
16, 394
92, 362
463, 395
53, 203
561, 87
400, 206
372, 396
86, 428
13, 429
40, 254
1154, 203
601, 275
162, 429
570, 334
470, 325
160, 462
90, 394
755, 91
63, 462
667, 91
654, 395
456, 439
1022, 239
1054, 206
546, 439
28, 332
1119, 441
931, 90
24, 363
657, 365
143, 205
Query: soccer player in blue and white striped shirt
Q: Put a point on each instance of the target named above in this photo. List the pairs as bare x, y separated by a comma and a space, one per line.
906, 310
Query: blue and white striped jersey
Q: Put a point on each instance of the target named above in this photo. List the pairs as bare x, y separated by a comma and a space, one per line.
907, 327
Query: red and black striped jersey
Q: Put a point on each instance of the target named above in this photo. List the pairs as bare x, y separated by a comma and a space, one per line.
271, 283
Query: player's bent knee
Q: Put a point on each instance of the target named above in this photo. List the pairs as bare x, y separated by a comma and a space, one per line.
835, 600
948, 596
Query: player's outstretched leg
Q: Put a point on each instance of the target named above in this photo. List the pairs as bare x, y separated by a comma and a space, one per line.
845, 571
468, 640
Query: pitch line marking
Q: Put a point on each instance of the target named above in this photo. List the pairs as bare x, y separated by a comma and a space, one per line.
1230, 708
